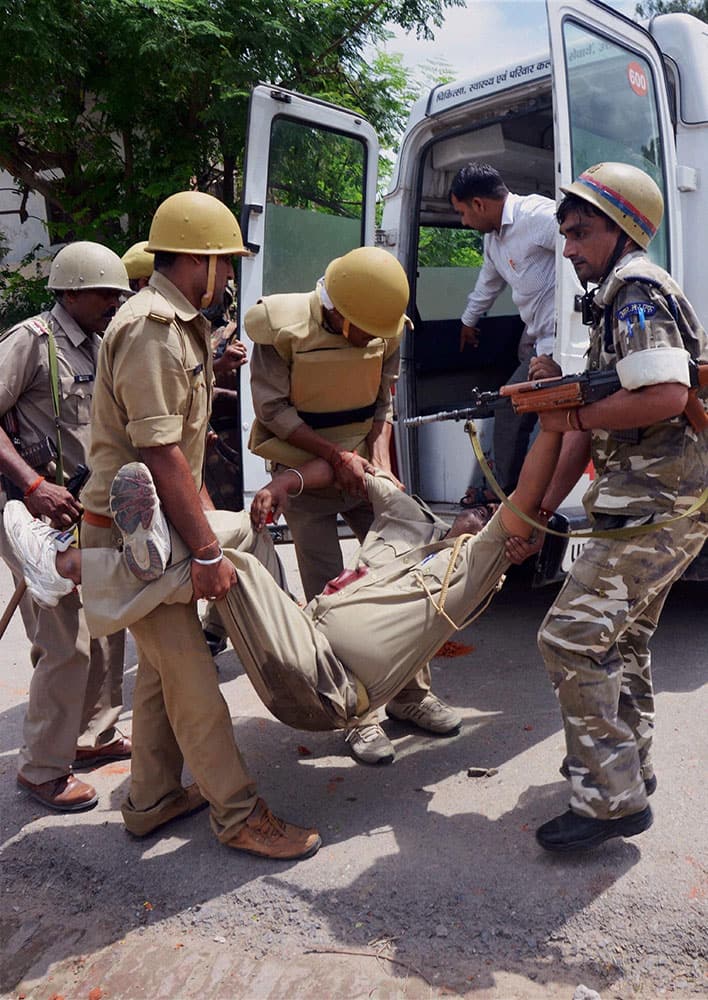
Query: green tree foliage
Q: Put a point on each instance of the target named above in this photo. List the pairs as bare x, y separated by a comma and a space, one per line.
444, 247
316, 170
23, 289
107, 106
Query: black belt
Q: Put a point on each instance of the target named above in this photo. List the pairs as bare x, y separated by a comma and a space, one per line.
337, 418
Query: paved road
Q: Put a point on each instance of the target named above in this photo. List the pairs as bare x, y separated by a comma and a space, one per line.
429, 882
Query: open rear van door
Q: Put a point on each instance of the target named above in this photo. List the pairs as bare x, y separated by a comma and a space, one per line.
309, 195
610, 103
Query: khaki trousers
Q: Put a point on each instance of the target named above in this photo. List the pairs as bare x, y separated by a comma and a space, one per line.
312, 520
318, 669
321, 668
75, 694
179, 714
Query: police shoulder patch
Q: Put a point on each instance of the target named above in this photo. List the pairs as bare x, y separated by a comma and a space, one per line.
38, 326
639, 309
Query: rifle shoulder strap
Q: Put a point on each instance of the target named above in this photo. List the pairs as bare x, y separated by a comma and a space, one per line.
614, 533
54, 387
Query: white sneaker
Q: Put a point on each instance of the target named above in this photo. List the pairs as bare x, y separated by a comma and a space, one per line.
136, 509
36, 544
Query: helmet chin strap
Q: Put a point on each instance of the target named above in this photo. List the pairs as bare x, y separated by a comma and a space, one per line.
616, 254
211, 281
589, 296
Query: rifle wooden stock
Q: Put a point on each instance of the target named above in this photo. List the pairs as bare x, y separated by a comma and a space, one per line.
577, 390
534, 397
695, 411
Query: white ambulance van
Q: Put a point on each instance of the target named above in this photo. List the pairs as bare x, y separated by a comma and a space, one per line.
608, 90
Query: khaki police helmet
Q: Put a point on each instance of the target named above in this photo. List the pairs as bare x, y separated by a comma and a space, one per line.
624, 194
83, 265
369, 288
197, 223
138, 262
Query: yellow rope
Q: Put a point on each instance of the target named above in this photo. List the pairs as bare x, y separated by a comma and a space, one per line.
639, 529
440, 606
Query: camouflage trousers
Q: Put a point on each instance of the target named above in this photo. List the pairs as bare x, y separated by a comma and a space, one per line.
595, 644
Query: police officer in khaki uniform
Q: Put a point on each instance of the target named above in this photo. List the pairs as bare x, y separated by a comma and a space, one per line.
651, 462
221, 475
76, 689
152, 403
413, 583
322, 369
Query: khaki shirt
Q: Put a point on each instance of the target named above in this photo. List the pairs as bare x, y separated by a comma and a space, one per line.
25, 382
658, 467
404, 552
153, 386
297, 364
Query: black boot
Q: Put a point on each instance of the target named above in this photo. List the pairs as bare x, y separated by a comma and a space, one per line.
572, 832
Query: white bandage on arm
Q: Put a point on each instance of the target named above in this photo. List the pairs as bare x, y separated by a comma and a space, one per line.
654, 366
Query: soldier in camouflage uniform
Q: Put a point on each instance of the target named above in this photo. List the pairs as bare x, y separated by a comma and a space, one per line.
651, 461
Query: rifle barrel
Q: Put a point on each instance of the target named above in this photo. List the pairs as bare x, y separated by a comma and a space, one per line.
431, 418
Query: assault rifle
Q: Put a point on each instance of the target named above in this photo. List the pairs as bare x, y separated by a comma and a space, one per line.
563, 393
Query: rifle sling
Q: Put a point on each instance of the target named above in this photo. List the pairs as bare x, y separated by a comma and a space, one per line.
613, 533
54, 386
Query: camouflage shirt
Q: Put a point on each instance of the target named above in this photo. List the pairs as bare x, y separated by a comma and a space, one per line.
663, 466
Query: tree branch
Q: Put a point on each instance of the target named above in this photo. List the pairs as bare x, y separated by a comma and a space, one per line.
337, 44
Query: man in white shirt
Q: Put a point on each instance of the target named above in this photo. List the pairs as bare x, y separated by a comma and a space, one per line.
520, 234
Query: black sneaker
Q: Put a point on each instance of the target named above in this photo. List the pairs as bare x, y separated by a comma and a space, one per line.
572, 832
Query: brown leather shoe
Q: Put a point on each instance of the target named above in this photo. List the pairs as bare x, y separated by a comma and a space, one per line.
66, 794
269, 837
191, 802
119, 749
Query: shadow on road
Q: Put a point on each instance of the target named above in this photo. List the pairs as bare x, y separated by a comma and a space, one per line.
421, 863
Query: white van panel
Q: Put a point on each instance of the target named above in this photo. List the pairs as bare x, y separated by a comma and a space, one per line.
447, 462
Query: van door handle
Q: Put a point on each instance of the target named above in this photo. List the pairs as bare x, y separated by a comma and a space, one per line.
246, 217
